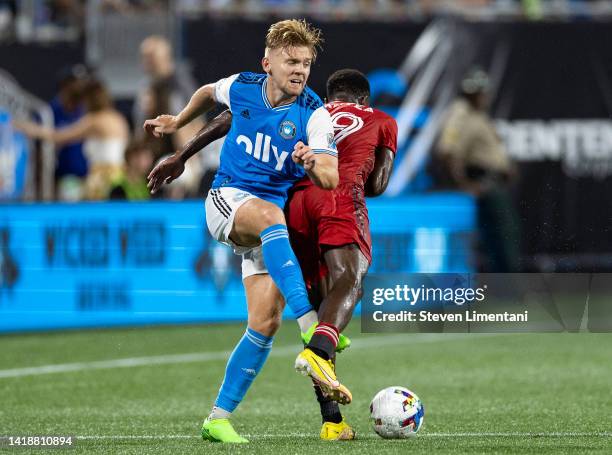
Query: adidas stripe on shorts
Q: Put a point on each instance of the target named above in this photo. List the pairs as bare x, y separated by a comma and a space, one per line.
221, 206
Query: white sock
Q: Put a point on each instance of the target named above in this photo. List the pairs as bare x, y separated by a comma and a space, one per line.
218, 413
306, 320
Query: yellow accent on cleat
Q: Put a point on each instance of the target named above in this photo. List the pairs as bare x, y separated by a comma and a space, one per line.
341, 395
337, 431
322, 372
220, 430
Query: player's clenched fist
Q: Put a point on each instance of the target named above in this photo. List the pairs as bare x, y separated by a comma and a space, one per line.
303, 155
160, 125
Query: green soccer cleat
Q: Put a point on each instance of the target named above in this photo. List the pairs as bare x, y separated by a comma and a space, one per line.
220, 430
344, 342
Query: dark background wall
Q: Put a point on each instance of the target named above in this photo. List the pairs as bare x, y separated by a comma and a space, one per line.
556, 70
220, 48
35, 66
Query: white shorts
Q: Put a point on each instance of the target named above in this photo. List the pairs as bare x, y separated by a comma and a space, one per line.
221, 207
253, 263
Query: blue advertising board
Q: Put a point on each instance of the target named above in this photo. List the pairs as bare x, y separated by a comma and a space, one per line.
105, 264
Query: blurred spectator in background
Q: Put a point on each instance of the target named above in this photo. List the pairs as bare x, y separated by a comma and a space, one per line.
67, 106
130, 6
166, 89
132, 183
8, 11
471, 157
67, 13
104, 133
532, 9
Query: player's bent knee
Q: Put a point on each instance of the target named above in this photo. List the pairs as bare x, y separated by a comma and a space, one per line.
270, 216
355, 276
266, 326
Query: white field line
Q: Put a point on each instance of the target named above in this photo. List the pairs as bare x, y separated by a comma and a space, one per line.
371, 342
552, 434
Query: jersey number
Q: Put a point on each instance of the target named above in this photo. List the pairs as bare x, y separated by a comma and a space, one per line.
345, 124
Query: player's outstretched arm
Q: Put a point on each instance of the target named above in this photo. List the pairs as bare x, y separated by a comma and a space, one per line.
76, 132
379, 177
202, 101
172, 167
320, 167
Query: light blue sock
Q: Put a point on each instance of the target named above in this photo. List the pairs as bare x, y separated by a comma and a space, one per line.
284, 268
244, 364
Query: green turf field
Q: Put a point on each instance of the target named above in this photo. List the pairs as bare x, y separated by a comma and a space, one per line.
148, 390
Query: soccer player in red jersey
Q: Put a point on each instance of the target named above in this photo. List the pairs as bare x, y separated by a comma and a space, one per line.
329, 229
335, 224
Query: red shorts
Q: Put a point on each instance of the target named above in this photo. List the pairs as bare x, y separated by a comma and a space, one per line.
319, 219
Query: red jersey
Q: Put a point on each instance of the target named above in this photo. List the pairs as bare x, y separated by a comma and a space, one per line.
320, 218
358, 131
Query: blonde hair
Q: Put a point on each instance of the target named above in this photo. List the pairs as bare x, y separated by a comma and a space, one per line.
294, 32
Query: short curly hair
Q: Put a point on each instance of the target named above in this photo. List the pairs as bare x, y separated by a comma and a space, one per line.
294, 32
348, 82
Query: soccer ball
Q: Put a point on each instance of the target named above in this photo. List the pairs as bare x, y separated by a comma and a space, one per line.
396, 413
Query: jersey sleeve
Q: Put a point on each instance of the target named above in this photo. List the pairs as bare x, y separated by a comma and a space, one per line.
320, 132
388, 134
222, 90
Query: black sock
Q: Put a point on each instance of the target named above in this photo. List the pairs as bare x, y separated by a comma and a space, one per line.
319, 352
330, 410
324, 340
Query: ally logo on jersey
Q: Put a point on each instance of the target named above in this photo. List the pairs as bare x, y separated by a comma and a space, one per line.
260, 149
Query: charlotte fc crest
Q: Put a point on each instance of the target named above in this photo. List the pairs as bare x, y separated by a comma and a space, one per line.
287, 130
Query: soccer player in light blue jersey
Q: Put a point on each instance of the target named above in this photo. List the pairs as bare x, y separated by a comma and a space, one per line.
280, 132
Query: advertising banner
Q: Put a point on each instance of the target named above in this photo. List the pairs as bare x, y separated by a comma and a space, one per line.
102, 264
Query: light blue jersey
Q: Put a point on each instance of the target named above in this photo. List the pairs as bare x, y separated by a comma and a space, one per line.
256, 155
